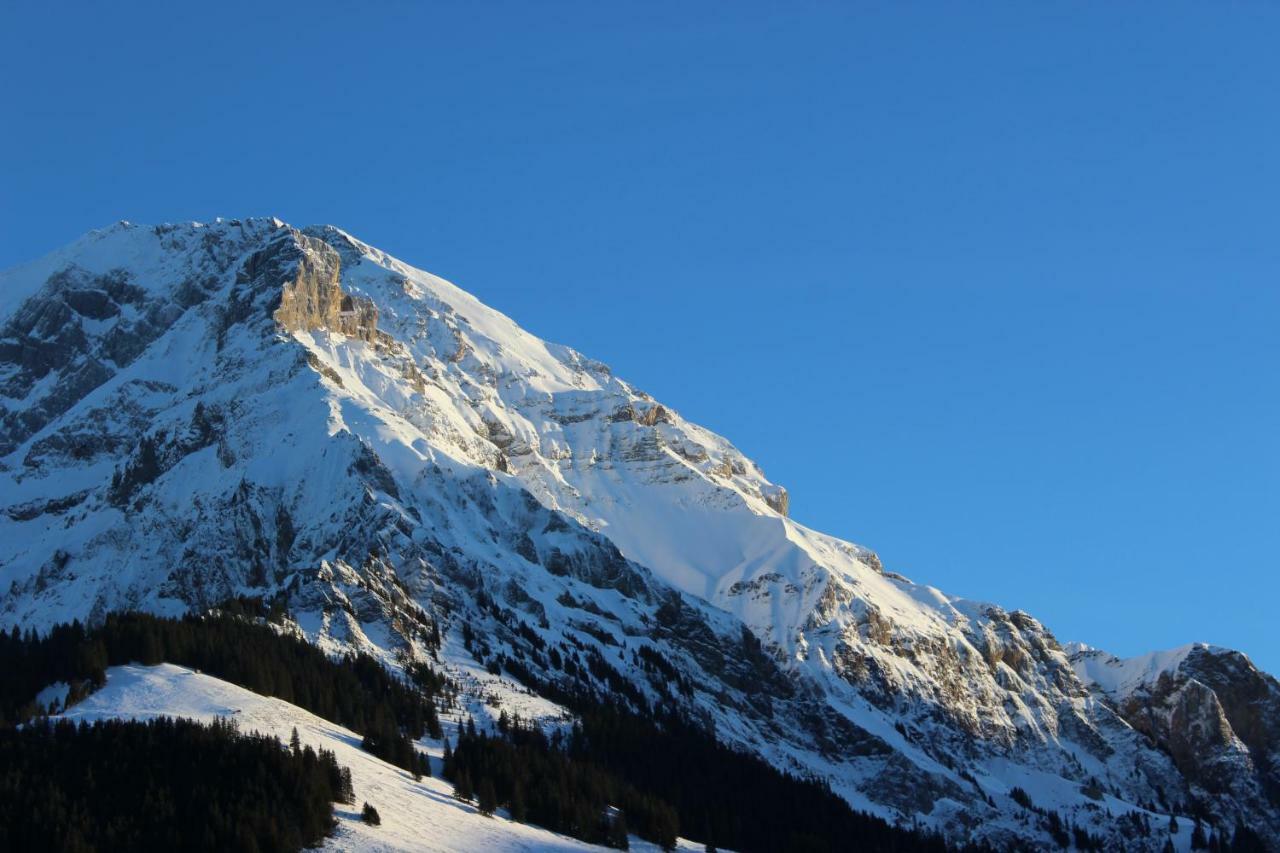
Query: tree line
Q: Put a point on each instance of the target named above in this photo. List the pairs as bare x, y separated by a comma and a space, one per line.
162, 785
667, 775
545, 785
623, 766
354, 691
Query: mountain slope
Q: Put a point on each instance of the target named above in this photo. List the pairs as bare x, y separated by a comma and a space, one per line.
416, 815
193, 412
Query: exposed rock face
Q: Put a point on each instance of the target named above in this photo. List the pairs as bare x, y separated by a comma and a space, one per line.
193, 412
778, 500
81, 326
58, 348
1215, 713
314, 298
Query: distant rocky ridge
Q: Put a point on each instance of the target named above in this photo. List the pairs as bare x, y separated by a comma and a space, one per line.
193, 412
1210, 709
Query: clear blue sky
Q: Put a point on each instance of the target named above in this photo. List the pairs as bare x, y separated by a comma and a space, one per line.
992, 288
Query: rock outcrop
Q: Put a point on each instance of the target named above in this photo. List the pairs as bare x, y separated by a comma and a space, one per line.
313, 297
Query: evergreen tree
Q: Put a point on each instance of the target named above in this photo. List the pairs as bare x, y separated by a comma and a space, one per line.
617, 835
519, 809
1246, 840
1198, 840
346, 791
370, 815
462, 785
665, 829
163, 784
447, 761
295, 742
486, 797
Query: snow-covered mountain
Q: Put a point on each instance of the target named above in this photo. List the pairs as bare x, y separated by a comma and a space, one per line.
191, 412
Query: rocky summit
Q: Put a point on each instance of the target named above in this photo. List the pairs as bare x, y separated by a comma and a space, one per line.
195, 412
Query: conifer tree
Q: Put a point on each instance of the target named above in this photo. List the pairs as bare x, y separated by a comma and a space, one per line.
617, 834
486, 797
447, 769
1245, 840
519, 809
665, 828
462, 785
1198, 840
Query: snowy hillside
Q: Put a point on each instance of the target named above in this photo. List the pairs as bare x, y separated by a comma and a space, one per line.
416, 816
192, 412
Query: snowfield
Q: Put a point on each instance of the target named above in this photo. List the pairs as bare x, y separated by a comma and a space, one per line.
416, 816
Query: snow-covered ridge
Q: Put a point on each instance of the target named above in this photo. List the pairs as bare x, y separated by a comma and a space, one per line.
1119, 677
190, 412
